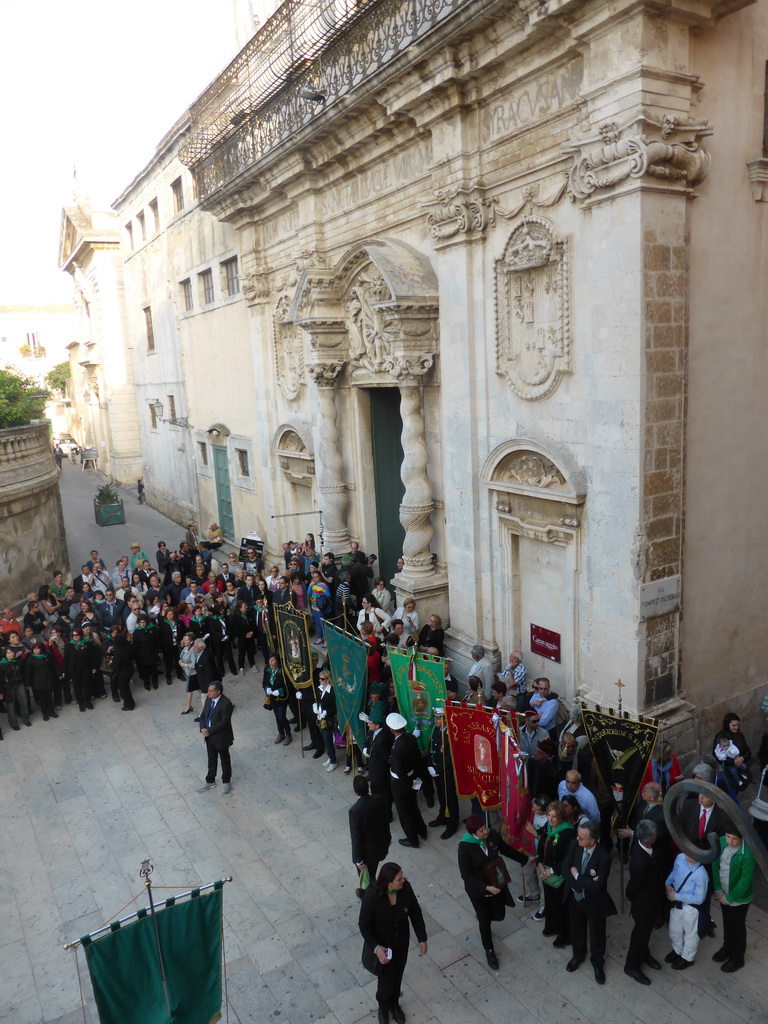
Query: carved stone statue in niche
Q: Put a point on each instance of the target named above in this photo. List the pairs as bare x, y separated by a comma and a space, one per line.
533, 343
289, 349
370, 330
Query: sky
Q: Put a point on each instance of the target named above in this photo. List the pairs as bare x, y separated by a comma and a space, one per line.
90, 85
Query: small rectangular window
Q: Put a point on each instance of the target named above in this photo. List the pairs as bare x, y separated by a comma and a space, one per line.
202, 449
177, 189
153, 415
149, 329
242, 461
206, 286
129, 234
154, 210
231, 278
142, 225
171, 408
186, 295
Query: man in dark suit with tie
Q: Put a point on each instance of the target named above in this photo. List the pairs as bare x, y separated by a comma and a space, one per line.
697, 820
216, 727
645, 891
378, 750
248, 591
368, 828
585, 871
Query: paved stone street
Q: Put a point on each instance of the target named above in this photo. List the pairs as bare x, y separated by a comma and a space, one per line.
86, 798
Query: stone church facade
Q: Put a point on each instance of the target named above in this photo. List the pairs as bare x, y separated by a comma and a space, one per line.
501, 311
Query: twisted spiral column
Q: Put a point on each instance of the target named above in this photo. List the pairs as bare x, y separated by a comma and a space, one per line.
417, 505
330, 466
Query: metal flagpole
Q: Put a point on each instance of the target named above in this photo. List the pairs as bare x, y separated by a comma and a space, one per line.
311, 512
145, 872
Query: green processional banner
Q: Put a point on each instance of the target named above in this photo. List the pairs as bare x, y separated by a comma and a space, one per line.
125, 965
293, 638
348, 657
419, 686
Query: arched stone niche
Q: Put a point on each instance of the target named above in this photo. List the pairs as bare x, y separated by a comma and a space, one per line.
294, 451
537, 497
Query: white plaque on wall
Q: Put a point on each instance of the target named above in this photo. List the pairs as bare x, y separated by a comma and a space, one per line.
659, 597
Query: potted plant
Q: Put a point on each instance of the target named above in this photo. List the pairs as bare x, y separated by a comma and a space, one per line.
108, 507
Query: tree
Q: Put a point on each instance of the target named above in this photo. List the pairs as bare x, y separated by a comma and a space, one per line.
57, 378
21, 399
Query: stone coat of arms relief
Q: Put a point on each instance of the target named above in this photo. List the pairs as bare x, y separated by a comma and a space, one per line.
288, 342
533, 331
371, 333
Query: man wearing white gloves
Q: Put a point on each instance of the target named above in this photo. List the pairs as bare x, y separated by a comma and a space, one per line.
325, 709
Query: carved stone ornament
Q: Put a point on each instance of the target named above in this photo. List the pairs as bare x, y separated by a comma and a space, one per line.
296, 463
532, 470
324, 374
288, 341
533, 330
370, 333
668, 150
462, 210
255, 286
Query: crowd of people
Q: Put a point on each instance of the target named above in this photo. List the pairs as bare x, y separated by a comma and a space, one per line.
187, 615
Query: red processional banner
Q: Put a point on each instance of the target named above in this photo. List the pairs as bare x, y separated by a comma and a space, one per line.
474, 750
515, 795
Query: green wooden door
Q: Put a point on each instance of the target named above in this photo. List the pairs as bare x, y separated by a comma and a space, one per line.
386, 428
223, 491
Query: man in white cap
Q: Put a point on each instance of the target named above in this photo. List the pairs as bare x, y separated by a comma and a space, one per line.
404, 766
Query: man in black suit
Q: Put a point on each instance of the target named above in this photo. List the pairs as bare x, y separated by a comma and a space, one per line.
379, 747
205, 668
248, 591
216, 727
404, 767
645, 891
368, 828
585, 871
648, 808
440, 767
697, 820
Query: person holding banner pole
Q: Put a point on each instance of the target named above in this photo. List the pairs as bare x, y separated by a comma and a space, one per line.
440, 767
404, 767
325, 709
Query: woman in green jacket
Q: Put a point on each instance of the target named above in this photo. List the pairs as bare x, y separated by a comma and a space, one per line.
732, 874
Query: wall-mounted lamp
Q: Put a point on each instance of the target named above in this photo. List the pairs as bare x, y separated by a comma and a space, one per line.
158, 408
308, 93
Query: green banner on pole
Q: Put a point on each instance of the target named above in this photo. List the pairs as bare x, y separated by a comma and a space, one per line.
125, 966
348, 657
295, 652
419, 685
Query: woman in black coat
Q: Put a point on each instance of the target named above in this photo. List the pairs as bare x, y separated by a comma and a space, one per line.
387, 907
38, 676
81, 662
146, 649
478, 848
244, 628
122, 666
554, 842
171, 632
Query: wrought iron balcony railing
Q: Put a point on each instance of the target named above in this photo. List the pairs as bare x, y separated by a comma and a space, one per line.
325, 47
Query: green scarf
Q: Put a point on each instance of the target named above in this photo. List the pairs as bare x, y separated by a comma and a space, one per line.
80, 643
469, 838
553, 833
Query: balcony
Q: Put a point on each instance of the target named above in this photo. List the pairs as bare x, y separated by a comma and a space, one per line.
308, 56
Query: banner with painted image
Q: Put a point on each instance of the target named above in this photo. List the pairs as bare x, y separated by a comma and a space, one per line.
621, 747
475, 753
348, 659
293, 640
515, 794
419, 685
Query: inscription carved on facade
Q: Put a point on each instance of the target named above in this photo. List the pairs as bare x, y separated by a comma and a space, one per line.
288, 343
533, 331
669, 150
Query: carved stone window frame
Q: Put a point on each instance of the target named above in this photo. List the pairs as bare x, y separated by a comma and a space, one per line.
294, 454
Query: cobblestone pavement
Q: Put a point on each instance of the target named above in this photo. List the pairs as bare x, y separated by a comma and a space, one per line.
86, 798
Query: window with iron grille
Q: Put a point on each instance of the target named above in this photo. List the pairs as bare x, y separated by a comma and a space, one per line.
154, 210
231, 278
142, 225
202, 449
153, 415
149, 329
177, 190
242, 461
206, 286
186, 295
171, 408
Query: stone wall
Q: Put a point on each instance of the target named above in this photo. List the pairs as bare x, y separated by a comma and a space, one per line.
32, 541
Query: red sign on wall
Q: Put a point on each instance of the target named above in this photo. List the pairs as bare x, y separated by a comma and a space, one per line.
545, 643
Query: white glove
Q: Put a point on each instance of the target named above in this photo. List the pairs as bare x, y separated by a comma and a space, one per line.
323, 714
416, 733
316, 708
270, 692
363, 717
416, 784
432, 771
365, 751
